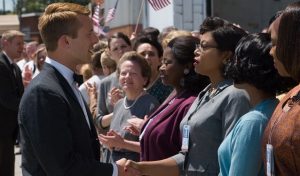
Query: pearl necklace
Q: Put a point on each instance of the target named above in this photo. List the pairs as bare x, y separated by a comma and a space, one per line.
125, 100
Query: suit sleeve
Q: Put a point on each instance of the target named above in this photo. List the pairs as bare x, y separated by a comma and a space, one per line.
8, 92
45, 123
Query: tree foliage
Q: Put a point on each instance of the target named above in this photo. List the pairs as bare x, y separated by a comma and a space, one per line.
29, 6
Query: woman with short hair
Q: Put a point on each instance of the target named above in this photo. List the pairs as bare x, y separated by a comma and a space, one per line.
252, 70
153, 52
134, 74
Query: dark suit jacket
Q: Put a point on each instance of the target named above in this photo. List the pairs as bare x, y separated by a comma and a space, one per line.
11, 90
55, 137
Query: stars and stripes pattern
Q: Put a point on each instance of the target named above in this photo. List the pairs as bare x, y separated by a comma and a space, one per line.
159, 4
97, 18
111, 13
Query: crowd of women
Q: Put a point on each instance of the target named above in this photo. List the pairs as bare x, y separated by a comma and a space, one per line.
178, 104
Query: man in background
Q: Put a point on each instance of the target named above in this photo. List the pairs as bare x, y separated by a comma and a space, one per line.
11, 90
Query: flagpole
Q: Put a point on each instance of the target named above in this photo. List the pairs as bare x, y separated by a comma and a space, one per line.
111, 13
140, 14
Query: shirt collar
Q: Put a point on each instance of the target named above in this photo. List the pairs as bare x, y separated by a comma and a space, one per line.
62, 69
221, 85
8, 58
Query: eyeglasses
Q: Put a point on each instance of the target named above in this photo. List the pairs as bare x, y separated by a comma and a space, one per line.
204, 47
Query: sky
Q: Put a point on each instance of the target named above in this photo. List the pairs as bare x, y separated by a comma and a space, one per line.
8, 4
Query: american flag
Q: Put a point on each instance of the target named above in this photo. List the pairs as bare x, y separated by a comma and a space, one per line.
97, 20
159, 4
111, 13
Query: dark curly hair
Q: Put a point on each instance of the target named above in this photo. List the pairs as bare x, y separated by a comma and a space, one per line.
119, 35
253, 64
225, 34
212, 23
144, 39
183, 51
150, 32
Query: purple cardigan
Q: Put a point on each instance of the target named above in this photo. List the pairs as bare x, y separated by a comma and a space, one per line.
162, 137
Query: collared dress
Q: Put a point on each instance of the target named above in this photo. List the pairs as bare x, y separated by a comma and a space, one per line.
211, 118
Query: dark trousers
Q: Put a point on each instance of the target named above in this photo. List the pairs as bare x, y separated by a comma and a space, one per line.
7, 157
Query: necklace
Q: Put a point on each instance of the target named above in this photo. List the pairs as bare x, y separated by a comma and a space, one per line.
212, 92
130, 106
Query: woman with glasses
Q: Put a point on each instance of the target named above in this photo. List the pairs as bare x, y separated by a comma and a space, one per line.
213, 113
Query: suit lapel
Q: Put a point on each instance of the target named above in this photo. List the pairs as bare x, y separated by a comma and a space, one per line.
71, 95
62, 81
67, 88
5, 61
16, 78
19, 79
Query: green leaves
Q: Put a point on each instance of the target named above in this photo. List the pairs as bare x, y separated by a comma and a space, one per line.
30, 6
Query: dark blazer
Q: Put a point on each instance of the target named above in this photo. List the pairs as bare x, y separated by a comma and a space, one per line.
11, 90
55, 137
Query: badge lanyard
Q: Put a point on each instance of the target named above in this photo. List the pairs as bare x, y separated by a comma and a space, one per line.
186, 129
186, 135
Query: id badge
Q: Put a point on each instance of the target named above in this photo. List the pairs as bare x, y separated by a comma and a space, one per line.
185, 138
270, 160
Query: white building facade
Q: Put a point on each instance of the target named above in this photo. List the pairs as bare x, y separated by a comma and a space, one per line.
189, 14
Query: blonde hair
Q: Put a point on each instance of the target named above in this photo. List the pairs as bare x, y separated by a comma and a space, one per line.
11, 34
40, 49
100, 46
86, 71
60, 19
107, 61
174, 34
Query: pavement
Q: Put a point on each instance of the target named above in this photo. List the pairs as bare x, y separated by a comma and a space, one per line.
17, 163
